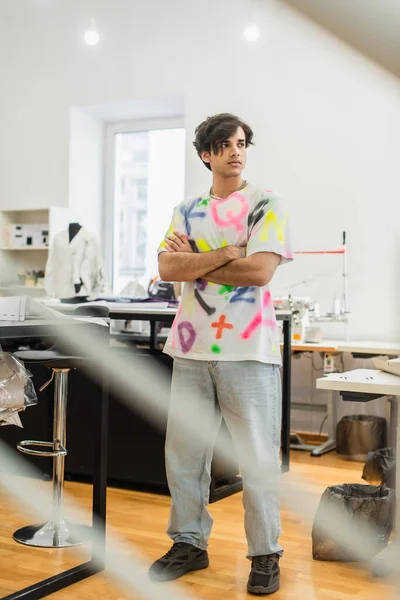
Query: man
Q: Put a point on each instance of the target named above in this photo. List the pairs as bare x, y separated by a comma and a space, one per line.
225, 246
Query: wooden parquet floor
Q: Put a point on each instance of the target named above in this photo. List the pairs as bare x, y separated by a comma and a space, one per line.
140, 519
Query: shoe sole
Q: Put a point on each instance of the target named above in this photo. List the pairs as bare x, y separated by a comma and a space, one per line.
258, 590
196, 565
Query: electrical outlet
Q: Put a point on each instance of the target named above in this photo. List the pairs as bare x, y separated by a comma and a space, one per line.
329, 364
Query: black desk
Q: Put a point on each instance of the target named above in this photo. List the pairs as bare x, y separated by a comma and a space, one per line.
128, 429
37, 328
77, 467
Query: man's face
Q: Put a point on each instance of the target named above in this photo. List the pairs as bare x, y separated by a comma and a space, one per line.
231, 159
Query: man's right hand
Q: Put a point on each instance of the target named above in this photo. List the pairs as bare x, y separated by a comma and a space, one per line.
178, 242
176, 265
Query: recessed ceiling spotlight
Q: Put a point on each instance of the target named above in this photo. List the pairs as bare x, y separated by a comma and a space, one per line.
251, 33
92, 36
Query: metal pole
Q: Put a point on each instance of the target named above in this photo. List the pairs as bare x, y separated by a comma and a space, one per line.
344, 300
59, 439
287, 357
100, 471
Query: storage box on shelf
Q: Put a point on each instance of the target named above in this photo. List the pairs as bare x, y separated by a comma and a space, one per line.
25, 236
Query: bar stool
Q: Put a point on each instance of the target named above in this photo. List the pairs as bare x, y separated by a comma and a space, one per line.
56, 532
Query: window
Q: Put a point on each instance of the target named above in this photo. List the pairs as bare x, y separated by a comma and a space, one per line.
147, 166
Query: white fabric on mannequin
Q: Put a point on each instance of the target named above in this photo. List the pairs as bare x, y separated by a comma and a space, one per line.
74, 262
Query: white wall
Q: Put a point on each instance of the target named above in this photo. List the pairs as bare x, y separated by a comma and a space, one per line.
327, 121
86, 160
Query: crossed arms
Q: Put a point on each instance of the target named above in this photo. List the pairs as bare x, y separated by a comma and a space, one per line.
223, 266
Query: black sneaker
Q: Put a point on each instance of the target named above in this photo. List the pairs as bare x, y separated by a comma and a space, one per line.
180, 559
264, 576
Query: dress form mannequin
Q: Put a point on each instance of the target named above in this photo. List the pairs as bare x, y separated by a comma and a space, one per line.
75, 270
73, 229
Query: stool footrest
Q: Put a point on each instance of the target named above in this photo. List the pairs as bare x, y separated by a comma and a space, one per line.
54, 534
24, 447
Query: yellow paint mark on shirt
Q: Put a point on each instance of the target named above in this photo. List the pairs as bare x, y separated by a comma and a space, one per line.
169, 232
274, 349
272, 219
203, 246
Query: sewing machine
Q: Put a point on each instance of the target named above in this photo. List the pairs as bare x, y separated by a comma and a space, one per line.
302, 309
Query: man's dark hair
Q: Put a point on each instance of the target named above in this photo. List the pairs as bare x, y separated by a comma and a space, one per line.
211, 134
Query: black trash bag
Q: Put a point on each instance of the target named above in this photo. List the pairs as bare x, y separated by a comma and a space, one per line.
366, 504
356, 435
380, 468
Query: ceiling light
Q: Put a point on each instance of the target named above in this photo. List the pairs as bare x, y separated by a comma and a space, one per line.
251, 33
92, 36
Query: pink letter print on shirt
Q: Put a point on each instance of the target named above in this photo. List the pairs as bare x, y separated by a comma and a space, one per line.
188, 341
230, 218
258, 319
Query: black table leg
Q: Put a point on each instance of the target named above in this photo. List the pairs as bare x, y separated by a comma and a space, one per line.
100, 475
153, 335
67, 578
286, 379
232, 486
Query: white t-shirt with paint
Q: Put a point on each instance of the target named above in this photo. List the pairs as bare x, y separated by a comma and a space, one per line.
222, 322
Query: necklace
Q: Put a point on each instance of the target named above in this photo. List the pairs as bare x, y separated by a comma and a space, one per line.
238, 190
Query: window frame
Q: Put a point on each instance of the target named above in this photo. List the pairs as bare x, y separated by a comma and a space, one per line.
111, 130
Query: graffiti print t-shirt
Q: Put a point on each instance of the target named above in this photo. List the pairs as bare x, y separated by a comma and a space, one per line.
222, 322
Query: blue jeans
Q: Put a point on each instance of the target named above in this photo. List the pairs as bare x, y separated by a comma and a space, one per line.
247, 394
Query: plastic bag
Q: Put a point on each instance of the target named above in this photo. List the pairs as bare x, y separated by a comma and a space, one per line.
356, 435
16, 389
380, 468
366, 504
10, 417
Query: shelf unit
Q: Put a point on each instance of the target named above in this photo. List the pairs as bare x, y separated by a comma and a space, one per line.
24, 248
14, 261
